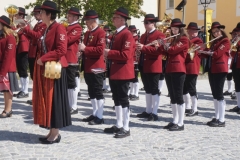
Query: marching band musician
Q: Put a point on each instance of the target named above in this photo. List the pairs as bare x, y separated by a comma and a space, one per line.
50, 100
229, 91
22, 57
176, 73
93, 48
217, 70
8, 78
150, 66
121, 69
108, 37
73, 35
134, 84
192, 71
34, 35
235, 66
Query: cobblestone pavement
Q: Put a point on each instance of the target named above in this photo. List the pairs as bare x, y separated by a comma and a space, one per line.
148, 141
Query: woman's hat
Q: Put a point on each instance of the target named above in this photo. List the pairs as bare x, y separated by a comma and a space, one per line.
90, 14
50, 6
5, 21
234, 30
132, 28
237, 29
216, 25
193, 26
74, 11
122, 12
151, 18
37, 8
177, 23
22, 11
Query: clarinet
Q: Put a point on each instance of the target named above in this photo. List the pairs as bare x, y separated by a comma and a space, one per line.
137, 52
81, 40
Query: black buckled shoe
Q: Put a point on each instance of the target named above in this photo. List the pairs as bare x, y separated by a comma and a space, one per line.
22, 95
134, 98
6, 114
152, 117
122, 133
235, 109
142, 89
106, 91
187, 111
143, 115
74, 111
57, 140
217, 123
176, 127
29, 102
233, 95
192, 113
42, 139
96, 121
130, 96
15, 95
88, 119
226, 93
113, 129
213, 120
169, 125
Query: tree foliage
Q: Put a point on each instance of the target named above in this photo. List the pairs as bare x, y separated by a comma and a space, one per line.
104, 8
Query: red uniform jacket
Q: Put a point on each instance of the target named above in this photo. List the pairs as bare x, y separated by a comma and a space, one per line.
152, 56
220, 55
193, 66
121, 56
73, 34
238, 57
23, 44
7, 54
56, 44
93, 53
177, 55
35, 36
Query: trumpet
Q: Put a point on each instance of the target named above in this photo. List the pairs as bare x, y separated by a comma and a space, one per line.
192, 49
234, 44
161, 41
29, 19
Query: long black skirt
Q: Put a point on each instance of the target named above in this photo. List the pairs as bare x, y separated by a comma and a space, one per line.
61, 116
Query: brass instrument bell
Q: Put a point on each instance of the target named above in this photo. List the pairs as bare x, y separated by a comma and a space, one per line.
11, 10
63, 21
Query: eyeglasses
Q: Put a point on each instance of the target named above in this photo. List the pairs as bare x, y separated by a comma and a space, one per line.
42, 11
147, 22
115, 17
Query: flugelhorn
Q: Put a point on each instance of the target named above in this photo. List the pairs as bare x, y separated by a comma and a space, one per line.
28, 18
11, 10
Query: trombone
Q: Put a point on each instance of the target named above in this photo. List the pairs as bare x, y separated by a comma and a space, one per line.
192, 49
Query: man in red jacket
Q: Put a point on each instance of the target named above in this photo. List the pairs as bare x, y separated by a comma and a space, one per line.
150, 66
33, 49
74, 31
121, 69
93, 47
22, 57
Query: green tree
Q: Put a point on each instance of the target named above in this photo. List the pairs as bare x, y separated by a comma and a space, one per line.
104, 8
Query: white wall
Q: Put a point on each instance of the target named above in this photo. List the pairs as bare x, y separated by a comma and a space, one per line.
150, 7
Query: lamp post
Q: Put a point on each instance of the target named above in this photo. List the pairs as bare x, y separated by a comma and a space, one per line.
205, 3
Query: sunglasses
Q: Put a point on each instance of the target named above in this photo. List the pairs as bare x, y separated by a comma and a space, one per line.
147, 22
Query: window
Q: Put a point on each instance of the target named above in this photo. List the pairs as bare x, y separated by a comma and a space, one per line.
170, 4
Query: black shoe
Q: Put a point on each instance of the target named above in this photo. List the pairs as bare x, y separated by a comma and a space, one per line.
143, 115
233, 95
238, 112
142, 89
122, 133
176, 127
29, 102
217, 124
42, 138
169, 125
96, 121
152, 117
74, 111
226, 93
168, 95
106, 91
113, 129
192, 113
187, 111
5, 114
88, 119
89, 99
22, 95
79, 94
235, 109
130, 96
51, 142
15, 95
213, 120
134, 98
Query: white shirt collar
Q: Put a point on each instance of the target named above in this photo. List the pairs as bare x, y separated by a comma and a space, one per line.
120, 28
39, 21
152, 30
74, 23
94, 28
